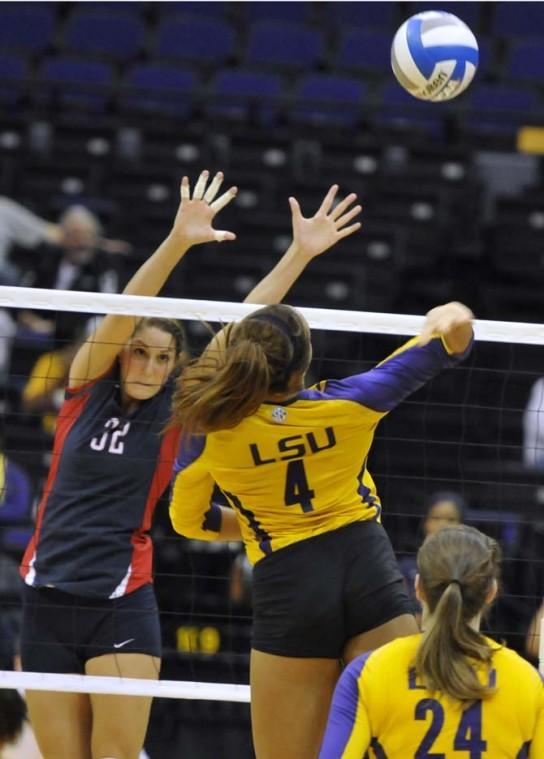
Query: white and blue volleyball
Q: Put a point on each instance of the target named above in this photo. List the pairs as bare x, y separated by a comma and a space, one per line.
434, 55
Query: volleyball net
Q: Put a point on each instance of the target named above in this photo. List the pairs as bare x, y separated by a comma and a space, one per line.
462, 433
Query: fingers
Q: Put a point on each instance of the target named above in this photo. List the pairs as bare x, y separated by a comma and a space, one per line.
198, 193
220, 235
223, 199
328, 200
352, 213
343, 206
295, 207
213, 189
349, 230
185, 189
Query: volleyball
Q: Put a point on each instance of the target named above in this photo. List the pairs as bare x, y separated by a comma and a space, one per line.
434, 56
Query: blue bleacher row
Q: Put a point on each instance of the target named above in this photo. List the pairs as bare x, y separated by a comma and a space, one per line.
263, 57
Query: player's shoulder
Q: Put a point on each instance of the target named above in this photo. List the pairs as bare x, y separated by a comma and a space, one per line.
514, 665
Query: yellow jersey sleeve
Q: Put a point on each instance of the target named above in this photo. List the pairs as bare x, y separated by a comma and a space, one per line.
348, 733
191, 512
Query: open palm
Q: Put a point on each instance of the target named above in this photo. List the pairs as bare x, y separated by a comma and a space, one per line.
193, 222
316, 234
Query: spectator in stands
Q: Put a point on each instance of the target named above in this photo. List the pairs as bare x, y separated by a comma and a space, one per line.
88, 566
533, 427
43, 392
76, 229
445, 508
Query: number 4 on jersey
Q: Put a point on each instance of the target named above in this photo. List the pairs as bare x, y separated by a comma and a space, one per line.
297, 490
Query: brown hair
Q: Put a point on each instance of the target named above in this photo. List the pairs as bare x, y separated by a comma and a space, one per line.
457, 567
224, 386
171, 327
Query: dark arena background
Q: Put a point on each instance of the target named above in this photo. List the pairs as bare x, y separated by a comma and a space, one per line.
108, 104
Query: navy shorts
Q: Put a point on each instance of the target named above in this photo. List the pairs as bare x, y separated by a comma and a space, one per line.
312, 597
61, 631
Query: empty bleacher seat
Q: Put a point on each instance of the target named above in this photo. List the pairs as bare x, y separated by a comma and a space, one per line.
26, 27
13, 72
499, 107
526, 61
518, 19
366, 15
289, 13
328, 99
203, 41
242, 93
364, 49
159, 88
467, 12
117, 35
283, 45
76, 83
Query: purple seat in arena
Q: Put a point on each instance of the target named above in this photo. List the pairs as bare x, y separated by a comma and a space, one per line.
74, 82
328, 99
197, 39
241, 94
13, 72
500, 108
283, 45
288, 13
26, 27
118, 35
526, 61
364, 49
467, 12
518, 19
154, 87
400, 109
194, 8
366, 15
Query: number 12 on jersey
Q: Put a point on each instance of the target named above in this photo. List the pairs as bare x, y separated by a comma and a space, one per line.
297, 490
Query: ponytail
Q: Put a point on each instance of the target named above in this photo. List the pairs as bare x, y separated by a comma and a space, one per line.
213, 396
242, 367
451, 647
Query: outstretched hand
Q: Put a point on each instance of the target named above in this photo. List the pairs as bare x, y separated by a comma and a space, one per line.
452, 320
316, 234
193, 222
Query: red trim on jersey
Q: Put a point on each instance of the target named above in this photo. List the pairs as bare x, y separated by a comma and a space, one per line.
68, 415
141, 565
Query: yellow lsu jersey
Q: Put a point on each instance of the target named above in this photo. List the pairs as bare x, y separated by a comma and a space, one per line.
380, 706
297, 469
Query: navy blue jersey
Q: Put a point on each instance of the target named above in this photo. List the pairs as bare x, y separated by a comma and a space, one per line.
107, 472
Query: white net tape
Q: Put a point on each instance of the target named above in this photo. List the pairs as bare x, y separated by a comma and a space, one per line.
219, 311
126, 686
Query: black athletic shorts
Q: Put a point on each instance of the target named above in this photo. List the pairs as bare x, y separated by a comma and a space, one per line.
61, 631
312, 597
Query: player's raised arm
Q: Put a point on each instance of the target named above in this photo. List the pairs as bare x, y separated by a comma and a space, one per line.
312, 236
192, 225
